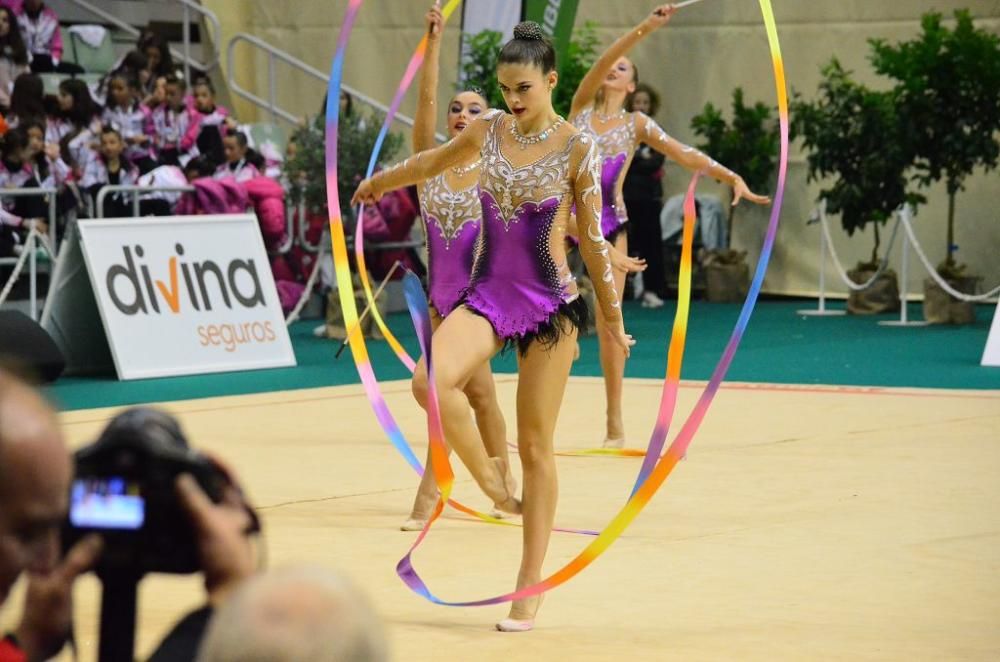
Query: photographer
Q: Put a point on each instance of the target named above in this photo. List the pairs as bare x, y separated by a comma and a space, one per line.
226, 555
35, 472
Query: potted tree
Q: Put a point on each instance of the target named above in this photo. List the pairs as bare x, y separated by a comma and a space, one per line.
854, 135
948, 96
305, 169
750, 147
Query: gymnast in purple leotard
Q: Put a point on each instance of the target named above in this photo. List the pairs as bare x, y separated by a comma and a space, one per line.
599, 110
534, 167
452, 214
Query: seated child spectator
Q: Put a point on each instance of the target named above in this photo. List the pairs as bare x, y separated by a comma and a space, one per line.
171, 121
210, 123
40, 30
130, 119
242, 163
27, 99
14, 173
13, 55
77, 125
43, 158
111, 167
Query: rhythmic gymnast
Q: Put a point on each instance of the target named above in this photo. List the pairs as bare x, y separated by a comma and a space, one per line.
534, 167
598, 109
452, 215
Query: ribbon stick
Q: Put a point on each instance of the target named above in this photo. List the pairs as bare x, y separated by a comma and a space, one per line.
664, 466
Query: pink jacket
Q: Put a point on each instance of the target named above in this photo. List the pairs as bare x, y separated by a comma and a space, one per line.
268, 200
41, 36
213, 196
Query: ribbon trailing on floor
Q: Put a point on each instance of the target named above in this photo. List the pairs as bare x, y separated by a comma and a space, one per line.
649, 481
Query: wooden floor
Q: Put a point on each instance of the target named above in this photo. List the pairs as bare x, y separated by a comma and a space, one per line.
806, 524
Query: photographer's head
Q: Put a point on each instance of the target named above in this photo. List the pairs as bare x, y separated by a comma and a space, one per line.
293, 615
35, 472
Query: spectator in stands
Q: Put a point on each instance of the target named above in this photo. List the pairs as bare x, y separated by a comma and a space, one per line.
14, 174
159, 62
171, 120
40, 29
111, 168
295, 615
77, 126
13, 55
242, 163
26, 99
133, 65
131, 119
35, 472
211, 122
43, 158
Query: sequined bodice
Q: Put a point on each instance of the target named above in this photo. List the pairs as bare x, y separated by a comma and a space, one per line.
451, 224
449, 211
620, 139
520, 275
511, 187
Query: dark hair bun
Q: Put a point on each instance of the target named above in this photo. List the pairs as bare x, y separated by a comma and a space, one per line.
529, 31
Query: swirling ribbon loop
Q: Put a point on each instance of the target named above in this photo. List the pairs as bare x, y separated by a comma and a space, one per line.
656, 468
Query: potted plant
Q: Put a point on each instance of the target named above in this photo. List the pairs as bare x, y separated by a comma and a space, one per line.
854, 135
749, 146
305, 171
948, 96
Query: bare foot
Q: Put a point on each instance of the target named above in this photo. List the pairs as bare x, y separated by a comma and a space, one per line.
506, 487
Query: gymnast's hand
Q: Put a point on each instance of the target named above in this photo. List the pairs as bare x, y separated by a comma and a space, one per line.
435, 21
366, 194
660, 16
623, 340
741, 191
625, 263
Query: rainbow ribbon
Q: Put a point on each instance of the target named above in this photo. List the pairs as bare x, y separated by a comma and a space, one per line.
416, 60
345, 286
650, 481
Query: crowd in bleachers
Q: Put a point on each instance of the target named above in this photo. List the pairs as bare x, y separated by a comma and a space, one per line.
140, 123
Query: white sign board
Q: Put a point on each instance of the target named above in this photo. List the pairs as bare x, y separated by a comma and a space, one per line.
991, 355
184, 295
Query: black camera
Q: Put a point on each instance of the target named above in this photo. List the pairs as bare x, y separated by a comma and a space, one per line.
125, 490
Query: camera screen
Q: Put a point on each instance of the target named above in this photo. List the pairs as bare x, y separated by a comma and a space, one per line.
106, 503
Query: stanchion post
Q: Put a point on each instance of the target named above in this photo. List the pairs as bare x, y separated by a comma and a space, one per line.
33, 269
904, 296
821, 311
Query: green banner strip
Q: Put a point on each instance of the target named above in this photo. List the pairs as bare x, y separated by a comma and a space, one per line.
556, 18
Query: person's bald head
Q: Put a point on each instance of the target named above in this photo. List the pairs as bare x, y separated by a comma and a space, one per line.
295, 615
35, 472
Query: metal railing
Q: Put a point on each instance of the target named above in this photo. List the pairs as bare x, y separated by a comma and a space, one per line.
270, 103
136, 192
31, 245
183, 55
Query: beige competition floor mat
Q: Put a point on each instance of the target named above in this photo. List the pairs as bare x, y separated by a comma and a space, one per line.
807, 523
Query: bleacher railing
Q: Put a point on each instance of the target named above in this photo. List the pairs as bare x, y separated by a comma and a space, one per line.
183, 55
30, 249
271, 102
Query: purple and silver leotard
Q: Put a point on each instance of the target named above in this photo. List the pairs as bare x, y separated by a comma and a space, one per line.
616, 146
451, 224
520, 280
